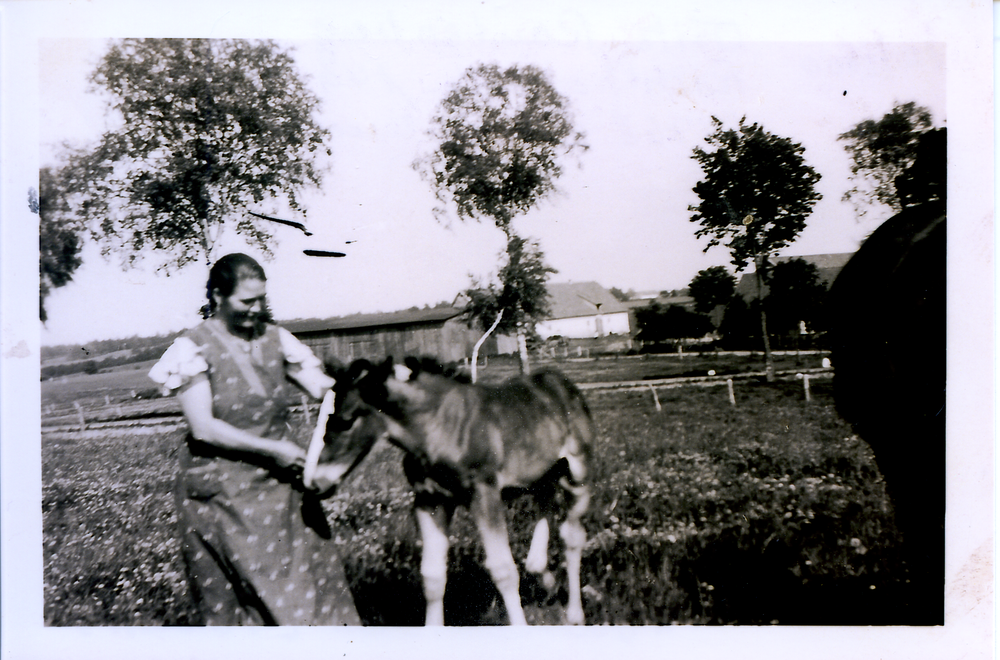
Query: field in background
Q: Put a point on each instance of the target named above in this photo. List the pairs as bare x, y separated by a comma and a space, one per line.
766, 512
132, 392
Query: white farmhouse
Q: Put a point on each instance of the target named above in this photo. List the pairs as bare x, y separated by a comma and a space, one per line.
583, 310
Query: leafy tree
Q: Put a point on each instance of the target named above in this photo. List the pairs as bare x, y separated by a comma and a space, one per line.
59, 241
620, 295
926, 180
209, 129
755, 197
500, 136
658, 323
520, 301
881, 150
740, 326
711, 287
795, 294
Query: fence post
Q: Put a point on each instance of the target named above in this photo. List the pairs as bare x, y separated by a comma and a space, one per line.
79, 412
805, 385
305, 409
732, 395
656, 399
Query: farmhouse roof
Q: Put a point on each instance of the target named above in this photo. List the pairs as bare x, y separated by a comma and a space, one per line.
574, 299
683, 301
828, 266
379, 319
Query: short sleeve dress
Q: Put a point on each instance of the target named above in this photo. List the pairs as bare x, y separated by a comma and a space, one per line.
257, 548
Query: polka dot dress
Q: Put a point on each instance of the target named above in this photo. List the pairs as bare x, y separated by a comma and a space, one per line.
256, 548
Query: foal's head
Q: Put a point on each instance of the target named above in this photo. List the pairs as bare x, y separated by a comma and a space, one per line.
360, 390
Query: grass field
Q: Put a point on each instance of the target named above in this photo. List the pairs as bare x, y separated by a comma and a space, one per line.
766, 512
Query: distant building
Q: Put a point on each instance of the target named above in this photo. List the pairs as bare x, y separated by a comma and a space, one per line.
439, 332
583, 310
828, 265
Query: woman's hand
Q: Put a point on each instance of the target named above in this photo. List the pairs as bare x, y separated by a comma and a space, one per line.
287, 454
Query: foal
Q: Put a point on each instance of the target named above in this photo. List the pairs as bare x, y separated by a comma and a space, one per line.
465, 444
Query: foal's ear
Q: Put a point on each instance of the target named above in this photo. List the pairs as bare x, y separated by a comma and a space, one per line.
358, 369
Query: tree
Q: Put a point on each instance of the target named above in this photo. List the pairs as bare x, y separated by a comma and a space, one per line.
59, 241
710, 288
521, 299
926, 179
881, 150
500, 136
755, 198
658, 323
209, 129
621, 296
795, 294
740, 326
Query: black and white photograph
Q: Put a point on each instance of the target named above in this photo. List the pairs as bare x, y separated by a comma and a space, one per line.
642, 326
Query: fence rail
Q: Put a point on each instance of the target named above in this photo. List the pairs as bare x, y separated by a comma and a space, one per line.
121, 418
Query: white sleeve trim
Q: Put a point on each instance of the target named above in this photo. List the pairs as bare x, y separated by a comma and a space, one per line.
296, 352
178, 365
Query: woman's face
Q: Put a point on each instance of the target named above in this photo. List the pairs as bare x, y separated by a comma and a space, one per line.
242, 311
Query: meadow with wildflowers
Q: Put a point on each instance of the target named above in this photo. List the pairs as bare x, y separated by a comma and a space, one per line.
766, 512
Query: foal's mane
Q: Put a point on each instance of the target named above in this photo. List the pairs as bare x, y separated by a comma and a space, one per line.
430, 365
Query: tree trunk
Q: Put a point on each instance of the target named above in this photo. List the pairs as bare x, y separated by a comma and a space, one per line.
475, 349
522, 349
768, 360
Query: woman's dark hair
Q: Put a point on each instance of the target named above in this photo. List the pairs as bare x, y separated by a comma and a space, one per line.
227, 272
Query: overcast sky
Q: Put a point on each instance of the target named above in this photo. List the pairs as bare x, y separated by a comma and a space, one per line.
619, 216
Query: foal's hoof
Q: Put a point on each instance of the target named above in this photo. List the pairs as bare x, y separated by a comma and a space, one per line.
548, 580
574, 617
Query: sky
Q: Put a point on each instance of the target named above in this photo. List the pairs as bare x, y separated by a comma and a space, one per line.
619, 215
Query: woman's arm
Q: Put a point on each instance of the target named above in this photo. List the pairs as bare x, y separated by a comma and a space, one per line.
313, 381
303, 367
196, 402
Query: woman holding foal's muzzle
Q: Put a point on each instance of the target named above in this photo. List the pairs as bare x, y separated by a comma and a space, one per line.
255, 542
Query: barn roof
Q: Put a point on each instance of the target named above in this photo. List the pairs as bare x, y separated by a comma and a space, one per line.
683, 301
828, 265
574, 299
379, 319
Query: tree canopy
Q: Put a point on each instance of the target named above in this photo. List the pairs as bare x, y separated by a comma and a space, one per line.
210, 128
710, 288
500, 134
59, 241
755, 197
882, 150
521, 294
658, 323
756, 193
795, 294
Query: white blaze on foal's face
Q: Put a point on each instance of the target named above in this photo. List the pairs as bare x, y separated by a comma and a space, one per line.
401, 372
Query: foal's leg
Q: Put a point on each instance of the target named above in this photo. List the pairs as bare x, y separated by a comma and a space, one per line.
537, 561
538, 553
433, 523
488, 511
574, 536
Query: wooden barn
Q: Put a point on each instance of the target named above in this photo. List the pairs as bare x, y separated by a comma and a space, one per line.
439, 332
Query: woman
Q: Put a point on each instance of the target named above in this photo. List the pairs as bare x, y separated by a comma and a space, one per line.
256, 546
